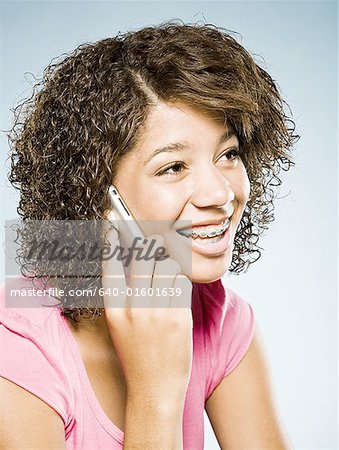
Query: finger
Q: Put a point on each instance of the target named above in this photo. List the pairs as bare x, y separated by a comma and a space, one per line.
142, 269
113, 274
163, 278
182, 296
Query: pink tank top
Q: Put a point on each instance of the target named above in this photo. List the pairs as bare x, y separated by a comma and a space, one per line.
223, 327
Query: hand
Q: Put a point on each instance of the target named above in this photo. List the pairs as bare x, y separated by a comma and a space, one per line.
153, 342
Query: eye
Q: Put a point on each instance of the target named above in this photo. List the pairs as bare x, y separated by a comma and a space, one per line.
172, 167
232, 154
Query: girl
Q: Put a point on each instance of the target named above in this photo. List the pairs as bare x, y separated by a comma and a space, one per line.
188, 127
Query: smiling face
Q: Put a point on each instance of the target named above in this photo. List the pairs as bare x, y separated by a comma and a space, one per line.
200, 180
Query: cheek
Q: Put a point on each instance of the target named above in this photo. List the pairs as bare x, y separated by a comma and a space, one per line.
242, 186
151, 204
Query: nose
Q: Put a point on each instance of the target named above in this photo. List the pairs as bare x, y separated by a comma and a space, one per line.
211, 188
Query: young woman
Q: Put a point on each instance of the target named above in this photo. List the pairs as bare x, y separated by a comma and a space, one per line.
188, 127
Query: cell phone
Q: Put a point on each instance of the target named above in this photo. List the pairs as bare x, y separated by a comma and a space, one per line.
122, 213
128, 227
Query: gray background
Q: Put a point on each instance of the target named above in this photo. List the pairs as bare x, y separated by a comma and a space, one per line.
292, 287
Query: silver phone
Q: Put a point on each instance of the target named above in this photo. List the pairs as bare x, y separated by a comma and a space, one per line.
129, 231
124, 215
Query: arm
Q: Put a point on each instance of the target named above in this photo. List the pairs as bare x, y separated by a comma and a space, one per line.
154, 345
242, 408
154, 422
27, 422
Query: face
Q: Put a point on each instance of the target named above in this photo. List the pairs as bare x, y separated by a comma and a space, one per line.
183, 172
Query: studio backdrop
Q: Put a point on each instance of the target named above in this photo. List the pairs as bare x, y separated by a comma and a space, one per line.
292, 287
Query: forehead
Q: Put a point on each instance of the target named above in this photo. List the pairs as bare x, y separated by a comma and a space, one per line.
178, 121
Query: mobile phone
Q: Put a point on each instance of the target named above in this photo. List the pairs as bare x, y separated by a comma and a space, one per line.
122, 213
129, 231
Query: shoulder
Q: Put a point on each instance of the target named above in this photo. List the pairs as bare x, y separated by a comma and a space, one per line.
36, 347
29, 421
223, 309
228, 328
26, 303
30, 322
242, 408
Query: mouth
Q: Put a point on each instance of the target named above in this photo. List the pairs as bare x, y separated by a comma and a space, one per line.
209, 241
210, 232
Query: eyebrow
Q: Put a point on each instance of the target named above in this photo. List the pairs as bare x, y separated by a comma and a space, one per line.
182, 146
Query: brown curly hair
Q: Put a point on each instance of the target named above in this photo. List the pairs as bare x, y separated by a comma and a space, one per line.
87, 110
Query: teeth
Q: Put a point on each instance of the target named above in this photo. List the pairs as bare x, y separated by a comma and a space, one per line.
202, 233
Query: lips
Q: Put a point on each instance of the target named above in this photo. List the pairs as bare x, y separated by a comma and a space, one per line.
206, 232
214, 222
209, 246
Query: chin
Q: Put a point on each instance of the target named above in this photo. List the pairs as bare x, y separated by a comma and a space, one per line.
209, 270
197, 267
207, 277
204, 279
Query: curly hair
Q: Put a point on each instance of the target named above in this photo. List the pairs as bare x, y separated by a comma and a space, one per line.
88, 110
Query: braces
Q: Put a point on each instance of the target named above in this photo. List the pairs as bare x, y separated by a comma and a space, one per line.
210, 234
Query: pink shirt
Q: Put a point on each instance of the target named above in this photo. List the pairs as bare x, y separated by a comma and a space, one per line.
40, 354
